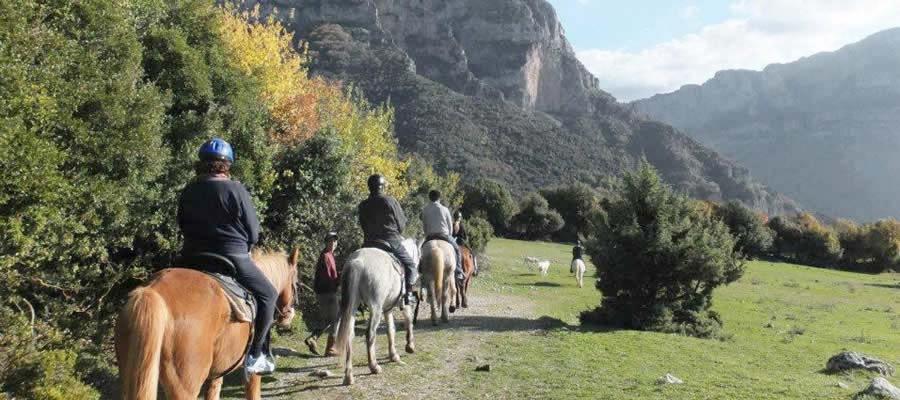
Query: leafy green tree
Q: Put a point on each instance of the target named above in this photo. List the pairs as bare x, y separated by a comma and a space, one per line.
883, 243
659, 258
480, 233
490, 200
535, 219
752, 237
575, 203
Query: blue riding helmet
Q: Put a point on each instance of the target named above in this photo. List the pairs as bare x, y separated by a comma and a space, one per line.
216, 149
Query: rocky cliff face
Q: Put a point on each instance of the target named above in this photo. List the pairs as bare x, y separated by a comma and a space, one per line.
824, 129
492, 88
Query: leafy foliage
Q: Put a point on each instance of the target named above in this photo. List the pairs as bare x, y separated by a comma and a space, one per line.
659, 259
490, 200
535, 219
805, 239
576, 203
752, 237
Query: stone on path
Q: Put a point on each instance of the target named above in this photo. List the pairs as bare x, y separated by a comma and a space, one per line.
321, 373
669, 379
842, 385
849, 360
880, 388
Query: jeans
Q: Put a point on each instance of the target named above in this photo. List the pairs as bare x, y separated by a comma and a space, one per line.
253, 279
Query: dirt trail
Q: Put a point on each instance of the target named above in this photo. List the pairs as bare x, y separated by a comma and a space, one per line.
441, 352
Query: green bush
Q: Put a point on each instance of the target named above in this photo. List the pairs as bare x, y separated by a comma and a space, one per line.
480, 233
575, 203
752, 237
535, 219
490, 200
658, 259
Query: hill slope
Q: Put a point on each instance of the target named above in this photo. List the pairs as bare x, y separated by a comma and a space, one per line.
824, 130
492, 88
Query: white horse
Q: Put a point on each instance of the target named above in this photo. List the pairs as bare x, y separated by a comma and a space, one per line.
373, 277
578, 267
437, 265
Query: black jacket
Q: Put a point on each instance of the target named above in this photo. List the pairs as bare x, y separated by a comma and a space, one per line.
217, 215
578, 252
381, 218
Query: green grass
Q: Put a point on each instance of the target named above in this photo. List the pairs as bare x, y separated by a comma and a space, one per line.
784, 322
814, 313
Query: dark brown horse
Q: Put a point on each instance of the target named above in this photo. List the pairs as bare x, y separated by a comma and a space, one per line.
468, 265
177, 331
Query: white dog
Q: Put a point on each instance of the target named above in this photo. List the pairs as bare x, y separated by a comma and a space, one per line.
578, 267
544, 266
531, 262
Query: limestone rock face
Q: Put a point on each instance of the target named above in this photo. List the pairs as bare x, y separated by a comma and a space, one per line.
823, 129
492, 88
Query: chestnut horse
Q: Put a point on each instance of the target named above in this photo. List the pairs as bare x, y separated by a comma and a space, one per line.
178, 331
468, 266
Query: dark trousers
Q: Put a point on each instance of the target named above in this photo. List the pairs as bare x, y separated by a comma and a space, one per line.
253, 279
452, 242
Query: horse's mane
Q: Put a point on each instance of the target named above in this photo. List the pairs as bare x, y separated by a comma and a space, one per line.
274, 264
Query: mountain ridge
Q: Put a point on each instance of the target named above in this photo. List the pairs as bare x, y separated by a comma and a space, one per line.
493, 89
821, 129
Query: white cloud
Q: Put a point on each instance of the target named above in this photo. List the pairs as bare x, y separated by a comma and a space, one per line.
689, 11
759, 32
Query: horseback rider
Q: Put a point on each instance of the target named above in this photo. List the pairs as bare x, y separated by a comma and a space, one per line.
216, 215
325, 284
577, 254
382, 221
438, 225
462, 238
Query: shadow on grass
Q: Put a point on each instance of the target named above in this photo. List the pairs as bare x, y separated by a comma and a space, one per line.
483, 323
540, 284
885, 285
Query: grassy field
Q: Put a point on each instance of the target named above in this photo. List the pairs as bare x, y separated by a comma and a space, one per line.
784, 322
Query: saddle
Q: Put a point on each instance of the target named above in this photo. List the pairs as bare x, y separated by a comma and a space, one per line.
218, 267
395, 262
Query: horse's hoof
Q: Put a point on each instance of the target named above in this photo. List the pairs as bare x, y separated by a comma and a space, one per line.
348, 380
410, 349
465, 305
452, 309
396, 358
376, 369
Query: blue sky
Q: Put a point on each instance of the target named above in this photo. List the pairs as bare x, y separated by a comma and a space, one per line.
638, 48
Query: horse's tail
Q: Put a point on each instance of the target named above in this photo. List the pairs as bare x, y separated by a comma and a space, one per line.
349, 303
437, 263
142, 325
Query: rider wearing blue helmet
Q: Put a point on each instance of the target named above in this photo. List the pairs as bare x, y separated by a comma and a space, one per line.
216, 215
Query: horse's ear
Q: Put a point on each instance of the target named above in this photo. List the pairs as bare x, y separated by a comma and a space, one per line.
295, 255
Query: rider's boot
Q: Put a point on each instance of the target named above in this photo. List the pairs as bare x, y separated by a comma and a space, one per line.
312, 345
330, 350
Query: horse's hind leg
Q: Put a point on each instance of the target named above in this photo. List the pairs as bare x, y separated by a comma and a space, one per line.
253, 387
392, 339
374, 321
449, 293
465, 292
213, 390
432, 293
410, 345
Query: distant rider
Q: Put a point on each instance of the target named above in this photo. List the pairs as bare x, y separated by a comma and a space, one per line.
462, 238
577, 254
216, 215
325, 284
438, 225
382, 221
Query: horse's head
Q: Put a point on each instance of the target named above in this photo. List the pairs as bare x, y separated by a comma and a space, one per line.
287, 293
281, 269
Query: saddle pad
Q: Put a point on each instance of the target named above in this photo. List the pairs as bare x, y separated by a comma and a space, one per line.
242, 302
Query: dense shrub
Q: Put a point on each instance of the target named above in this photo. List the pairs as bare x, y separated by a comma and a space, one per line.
659, 259
490, 200
752, 237
480, 233
575, 203
806, 240
535, 219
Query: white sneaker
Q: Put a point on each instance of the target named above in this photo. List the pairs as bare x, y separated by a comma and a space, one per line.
258, 365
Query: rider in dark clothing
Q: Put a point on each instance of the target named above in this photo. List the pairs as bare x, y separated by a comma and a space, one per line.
216, 215
382, 221
577, 254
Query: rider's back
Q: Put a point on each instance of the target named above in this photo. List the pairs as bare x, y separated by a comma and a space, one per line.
216, 215
381, 218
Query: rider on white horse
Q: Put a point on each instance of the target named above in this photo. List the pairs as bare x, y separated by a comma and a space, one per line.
437, 224
382, 221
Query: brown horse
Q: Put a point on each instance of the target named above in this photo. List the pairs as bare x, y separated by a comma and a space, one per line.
178, 331
468, 266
